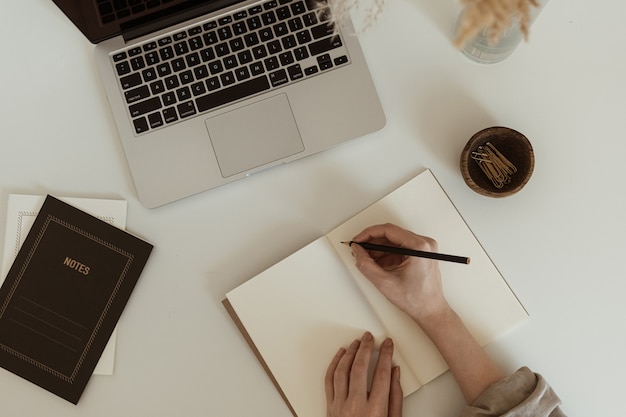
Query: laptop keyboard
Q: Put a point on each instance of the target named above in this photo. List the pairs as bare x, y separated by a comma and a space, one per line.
217, 62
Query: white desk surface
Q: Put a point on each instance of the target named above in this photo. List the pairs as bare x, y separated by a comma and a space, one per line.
559, 243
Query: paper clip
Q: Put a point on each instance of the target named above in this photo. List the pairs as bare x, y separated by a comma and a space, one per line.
494, 165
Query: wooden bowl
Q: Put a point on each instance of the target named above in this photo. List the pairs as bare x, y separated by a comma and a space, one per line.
513, 145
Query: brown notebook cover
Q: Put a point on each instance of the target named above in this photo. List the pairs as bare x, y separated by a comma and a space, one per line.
233, 315
64, 295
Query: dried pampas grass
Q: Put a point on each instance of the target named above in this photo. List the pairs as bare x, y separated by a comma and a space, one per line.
369, 13
494, 16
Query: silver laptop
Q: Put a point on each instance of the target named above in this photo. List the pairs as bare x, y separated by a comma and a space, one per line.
205, 92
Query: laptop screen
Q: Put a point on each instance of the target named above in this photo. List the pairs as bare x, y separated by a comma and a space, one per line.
103, 19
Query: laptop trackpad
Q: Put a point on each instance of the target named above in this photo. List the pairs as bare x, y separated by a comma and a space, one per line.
254, 135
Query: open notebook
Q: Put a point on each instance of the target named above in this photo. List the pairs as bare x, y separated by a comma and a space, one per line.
296, 314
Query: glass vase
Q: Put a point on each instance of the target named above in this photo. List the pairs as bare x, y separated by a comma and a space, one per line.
483, 50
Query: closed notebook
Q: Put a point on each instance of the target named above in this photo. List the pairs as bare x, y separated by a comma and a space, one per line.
22, 210
296, 314
63, 296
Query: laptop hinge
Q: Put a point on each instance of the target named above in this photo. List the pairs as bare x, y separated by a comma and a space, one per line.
166, 18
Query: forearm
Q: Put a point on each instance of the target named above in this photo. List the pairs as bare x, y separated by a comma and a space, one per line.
472, 368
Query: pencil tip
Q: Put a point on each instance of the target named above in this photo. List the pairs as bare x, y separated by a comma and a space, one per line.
346, 243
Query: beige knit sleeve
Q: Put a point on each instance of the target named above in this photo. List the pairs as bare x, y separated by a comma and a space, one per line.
522, 394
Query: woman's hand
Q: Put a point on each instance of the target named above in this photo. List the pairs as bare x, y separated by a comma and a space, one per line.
346, 382
412, 284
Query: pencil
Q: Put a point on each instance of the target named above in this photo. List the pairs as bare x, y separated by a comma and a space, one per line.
411, 252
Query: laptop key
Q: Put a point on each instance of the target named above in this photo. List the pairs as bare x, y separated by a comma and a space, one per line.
193, 59
309, 19
183, 93
298, 8
164, 69
137, 94
227, 78
152, 58
134, 51
269, 17
186, 109
304, 36
289, 42
141, 125
150, 46
230, 94
271, 63
171, 82
169, 98
122, 68
137, 63
240, 28
195, 43
255, 10
340, 60
170, 115
210, 38
242, 73
301, 53
143, 107
324, 62
225, 20
155, 120
198, 89
149, 74
325, 45
295, 24
322, 30
278, 77
181, 48
295, 72
130, 81
286, 58
119, 56
201, 72
165, 41
213, 83
166, 53
236, 44
256, 68
157, 87
207, 54
283, 13
311, 70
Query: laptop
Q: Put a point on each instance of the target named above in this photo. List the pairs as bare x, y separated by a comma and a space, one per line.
206, 92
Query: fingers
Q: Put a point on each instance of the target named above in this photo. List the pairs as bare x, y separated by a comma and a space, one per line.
381, 379
364, 262
346, 381
395, 394
360, 367
389, 233
395, 235
330, 375
341, 377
